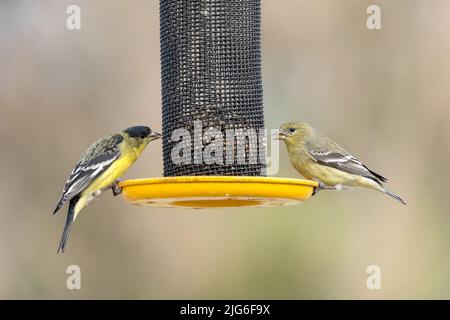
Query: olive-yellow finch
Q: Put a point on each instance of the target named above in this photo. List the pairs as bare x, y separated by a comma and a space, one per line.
99, 168
319, 158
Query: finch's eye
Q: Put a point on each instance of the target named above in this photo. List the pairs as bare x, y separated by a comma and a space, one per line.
292, 130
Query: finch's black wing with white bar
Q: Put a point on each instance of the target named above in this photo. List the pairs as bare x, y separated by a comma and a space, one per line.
97, 159
341, 160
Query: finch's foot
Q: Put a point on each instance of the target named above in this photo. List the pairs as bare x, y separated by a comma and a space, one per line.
116, 190
322, 186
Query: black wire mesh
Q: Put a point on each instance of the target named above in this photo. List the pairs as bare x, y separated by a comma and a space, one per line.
211, 71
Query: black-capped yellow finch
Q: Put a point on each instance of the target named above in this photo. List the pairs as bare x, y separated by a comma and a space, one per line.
319, 158
99, 169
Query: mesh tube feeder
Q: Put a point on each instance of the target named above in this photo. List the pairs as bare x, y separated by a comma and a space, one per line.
212, 92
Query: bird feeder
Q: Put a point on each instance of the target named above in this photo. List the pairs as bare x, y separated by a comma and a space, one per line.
212, 111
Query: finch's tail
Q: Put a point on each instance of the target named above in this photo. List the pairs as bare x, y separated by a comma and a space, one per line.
376, 185
393, 195
68, 225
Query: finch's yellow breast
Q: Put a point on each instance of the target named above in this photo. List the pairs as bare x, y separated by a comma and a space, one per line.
116, 170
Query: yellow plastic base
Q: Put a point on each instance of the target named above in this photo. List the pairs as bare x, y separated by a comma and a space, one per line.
216, 191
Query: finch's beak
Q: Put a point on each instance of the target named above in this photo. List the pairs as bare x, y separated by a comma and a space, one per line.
278, 135
155, 136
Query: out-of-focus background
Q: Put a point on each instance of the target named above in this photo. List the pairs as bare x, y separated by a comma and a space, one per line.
383, 94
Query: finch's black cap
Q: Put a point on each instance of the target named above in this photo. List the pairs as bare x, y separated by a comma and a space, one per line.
138, 131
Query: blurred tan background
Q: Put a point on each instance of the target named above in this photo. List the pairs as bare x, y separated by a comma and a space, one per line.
384, 95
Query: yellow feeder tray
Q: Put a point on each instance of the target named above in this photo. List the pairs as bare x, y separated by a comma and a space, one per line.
216, 191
